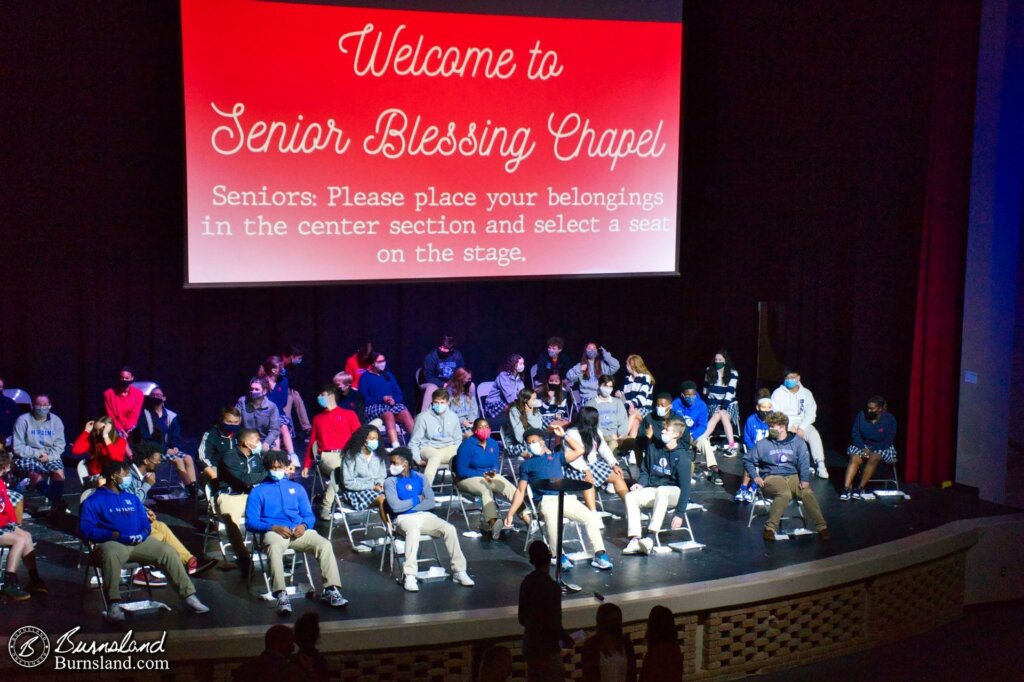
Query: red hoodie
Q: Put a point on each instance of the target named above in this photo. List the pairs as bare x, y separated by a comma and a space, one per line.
83, 446
124, 410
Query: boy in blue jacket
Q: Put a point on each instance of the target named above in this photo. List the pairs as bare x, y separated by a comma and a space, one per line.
279, 509
116, 522
478, 472
694, 412
754, 429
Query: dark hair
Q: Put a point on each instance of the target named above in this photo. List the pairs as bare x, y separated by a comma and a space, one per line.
5, 457
664, 395
126, 368
476, 422
329, 389
777, 419
245, 433
144, 450
661, 627
604, 612
447, 341
112, 466
278, 638
439, 394
556, 341
878, 400
532, 432
711, 377
587, 423
521, 403
405, 453
363, 352
372, 357
307, 629
605, 379
789, 370
272, 457
687, 385
559, 393
762, 393
509, 366
293, 350
585, 361
540, 555
357, 440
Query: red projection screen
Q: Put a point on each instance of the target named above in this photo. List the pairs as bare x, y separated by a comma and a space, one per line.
329, 143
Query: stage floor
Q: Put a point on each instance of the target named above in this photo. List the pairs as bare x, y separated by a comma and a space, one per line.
731, 549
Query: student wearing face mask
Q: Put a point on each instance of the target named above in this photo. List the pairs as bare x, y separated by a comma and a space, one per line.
123, 402
384, 397
553, 360
279, 509
160, 426
656, 419
611, 412
596, 361
554, 403
607, 655
260, 414
291, 359
664, 482
872, 436
218, 441
637, 391
410, 499
720, 380
116, 521
463, 399
364, 466
38, 443
522, 415
349, 397
694, 412
506, 387
18, 543
477, 470
438, 368
276, 385
781, 466
796, 401
332, 430
242, 470
101, 442
436, 435
755, 429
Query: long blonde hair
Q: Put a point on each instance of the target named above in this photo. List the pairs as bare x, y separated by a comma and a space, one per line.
635, 363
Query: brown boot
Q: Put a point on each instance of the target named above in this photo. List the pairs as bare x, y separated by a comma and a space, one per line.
769, 535
824, 534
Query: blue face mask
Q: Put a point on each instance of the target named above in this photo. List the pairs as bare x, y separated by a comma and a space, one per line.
790, 383
277, 474
258, 449
124, 485
372, 445
439, 408
321, 400
688, 400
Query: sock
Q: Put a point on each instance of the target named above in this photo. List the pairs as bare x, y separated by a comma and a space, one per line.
33, 573
743, 487
56, 491
732, 441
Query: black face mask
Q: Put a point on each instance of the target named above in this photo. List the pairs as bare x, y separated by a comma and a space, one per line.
122, 384
870, 415
443, 353
554, 387
762, 415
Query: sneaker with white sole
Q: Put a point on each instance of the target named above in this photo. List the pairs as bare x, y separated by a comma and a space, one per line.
567, 564
856, 494
115, 614
601, 561
822, 470
156, 579
741, 494
196, 606
646, 546
284, 604
462, 578
750, 494
411, 584
332, 596
633, 547
846, 494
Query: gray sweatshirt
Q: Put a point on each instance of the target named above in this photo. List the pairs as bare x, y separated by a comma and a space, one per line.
612, 415
434, 431
33, 437
533, 418
263, 417
588, 387
362, 472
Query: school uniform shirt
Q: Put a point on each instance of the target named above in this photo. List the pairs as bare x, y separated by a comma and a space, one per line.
539, 468
332, 430
124, 409
875, 436
598, 449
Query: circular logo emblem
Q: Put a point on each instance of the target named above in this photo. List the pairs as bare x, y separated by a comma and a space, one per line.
29, 646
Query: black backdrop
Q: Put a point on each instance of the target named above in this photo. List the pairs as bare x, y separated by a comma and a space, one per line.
805, 149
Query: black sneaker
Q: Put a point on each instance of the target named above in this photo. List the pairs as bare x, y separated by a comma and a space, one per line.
716, 478
845, 495
12, 590
857, 494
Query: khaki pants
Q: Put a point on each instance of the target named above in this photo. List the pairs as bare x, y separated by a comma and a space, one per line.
660, 497
151, 552
478, 486
416, 524
813, 439
781, 490
232, 513
160, 531
704, 447
573, 510
435, 457
311, 542
329, 463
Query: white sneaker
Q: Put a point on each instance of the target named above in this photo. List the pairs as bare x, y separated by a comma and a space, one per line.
284, 604
462, 578
196, 606
646, 546
610, 489
633, 547
293, 459
822, 470
115, 614
411, 585
399, 546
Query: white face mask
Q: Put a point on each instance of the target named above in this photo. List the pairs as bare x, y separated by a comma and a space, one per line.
535, 403
667, 436
396, 469
662, 411
277, 474
606, 391
380, 365
537, 448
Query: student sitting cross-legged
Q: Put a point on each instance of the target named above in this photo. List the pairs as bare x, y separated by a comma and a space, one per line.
116, 521
478, 470
410, 499
279, 509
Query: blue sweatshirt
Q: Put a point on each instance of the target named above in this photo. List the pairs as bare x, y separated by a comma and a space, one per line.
695, 416
105, 511
472, 459
754, 429
438, 370
375, 386
875, 436
403, 493
277, 503
779, 458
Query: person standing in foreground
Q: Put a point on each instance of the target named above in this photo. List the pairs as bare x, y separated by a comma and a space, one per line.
540, 614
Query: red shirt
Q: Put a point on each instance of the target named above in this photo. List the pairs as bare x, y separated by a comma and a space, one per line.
83, 446
355, 368
124, 409
331, 431
7, 515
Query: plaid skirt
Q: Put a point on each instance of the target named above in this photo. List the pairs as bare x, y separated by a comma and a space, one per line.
732, 408
376, 410
9, 528
515, 449
174, 458
361, 499
888, 455
16, 496
600, 469
494, 409
23, 466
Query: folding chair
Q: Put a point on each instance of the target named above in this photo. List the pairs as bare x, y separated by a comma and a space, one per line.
94, 570
762, 502
893, 481
215, 527
482, 391
341, 512
291, 558
685, 545
569, 529
506, 454
391, 553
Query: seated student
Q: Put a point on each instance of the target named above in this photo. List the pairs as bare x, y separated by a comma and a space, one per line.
331, 431
101, 442
656, 419
540, 464
796, 401
279, 393
664, 482
160, 425
611, 412
553, 360
523, 414
260, 414
554, 403
596, 361
240, 470
781, 465
218, 441
116, 521
38, 443
349, 397
410, 499
506, 387
123, 402
463, 399
439, 367
9, 413
18, 542
477, 469
755, 429
720, 381
145, 459
637, 392
279, 509
695, 413
291, 358
589, 457
359, 363
436, 435
608, 653
384, 397
872, 436
364, 468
